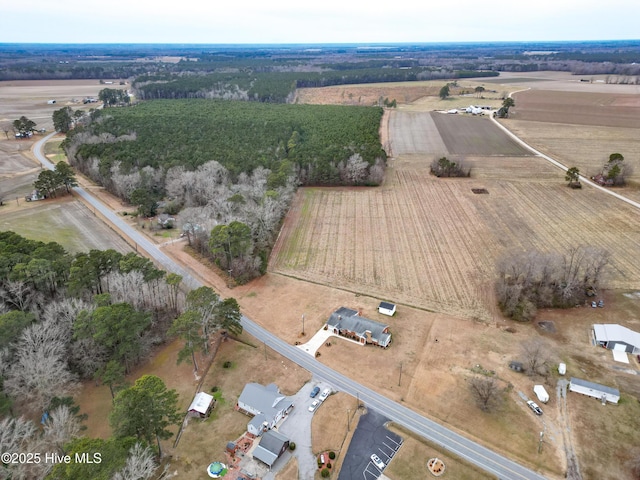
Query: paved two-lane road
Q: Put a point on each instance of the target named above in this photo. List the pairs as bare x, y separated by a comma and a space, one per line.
484, 458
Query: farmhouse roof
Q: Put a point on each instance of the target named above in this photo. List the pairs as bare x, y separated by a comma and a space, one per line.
267, 400
348, 319
595, 386
201, 403
270, 446
612, 332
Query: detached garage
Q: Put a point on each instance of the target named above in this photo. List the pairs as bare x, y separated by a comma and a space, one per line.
594, 390
387, 308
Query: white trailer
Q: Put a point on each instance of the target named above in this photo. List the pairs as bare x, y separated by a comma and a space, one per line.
541, 393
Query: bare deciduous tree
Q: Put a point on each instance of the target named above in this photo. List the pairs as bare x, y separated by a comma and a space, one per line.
16, 436
40, 371
355, 170
140, 464
61, 427
531, 280
19, 294
535, 356
485, 391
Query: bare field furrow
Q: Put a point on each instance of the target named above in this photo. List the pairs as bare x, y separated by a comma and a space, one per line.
434, 244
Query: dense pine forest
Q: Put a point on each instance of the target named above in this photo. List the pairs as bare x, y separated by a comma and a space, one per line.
314, 139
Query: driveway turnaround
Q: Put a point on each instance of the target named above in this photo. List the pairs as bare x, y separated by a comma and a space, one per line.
371, 437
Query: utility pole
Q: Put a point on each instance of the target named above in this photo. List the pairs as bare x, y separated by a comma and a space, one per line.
348, 420
400, 377
540, 443
303, 324
265, 351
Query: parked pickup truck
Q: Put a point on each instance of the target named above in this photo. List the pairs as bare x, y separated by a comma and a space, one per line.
533, 406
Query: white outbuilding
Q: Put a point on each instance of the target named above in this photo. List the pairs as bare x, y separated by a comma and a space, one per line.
541, 393
202, 405
601, 392
562, 368
387, 308
616, 337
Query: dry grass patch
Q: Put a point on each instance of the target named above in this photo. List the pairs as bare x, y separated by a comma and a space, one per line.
329, 424
608, 432
290, 471
64, 220
411, 460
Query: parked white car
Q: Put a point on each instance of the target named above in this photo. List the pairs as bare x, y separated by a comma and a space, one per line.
314, 405
325, 393
534, 406
377, 462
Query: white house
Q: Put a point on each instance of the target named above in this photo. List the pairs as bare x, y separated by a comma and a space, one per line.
617, 337
201, 406
387, 308
267, 405
595, 390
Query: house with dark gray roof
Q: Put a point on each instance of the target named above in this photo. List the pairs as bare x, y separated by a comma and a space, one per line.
267, 405
348, 323
271, 446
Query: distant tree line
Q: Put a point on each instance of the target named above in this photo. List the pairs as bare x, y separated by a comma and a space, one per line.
278, 87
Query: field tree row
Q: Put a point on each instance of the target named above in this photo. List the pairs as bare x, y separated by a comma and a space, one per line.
66, 318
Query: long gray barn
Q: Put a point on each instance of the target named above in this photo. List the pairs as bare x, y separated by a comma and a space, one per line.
617, 337
595, 390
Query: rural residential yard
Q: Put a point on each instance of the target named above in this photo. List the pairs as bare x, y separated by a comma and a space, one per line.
429, 245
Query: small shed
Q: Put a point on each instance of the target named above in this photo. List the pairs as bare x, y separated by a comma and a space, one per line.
201, 406
541, 393
387, 308
601, 392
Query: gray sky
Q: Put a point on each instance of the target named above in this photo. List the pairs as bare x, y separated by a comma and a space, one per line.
324, 21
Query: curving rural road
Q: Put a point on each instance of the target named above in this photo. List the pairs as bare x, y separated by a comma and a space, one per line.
473, 452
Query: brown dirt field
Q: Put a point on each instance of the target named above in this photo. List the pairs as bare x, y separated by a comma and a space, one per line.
468, 135
433, 244
577, 108
29, 98
584, 146
367, 94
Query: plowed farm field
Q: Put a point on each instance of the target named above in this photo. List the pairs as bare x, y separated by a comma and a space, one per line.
432, 243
